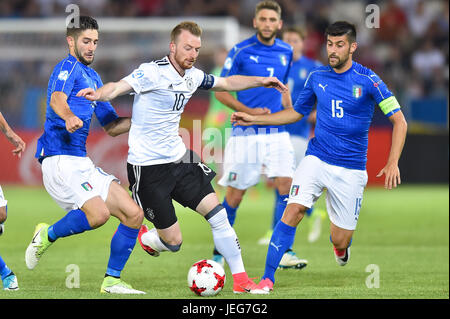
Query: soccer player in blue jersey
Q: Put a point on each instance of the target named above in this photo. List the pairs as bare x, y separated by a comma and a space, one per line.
300, 131
346, 93
86, 192
9, 279
258, 149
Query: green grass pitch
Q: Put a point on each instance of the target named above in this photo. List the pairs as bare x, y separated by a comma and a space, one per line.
404, 232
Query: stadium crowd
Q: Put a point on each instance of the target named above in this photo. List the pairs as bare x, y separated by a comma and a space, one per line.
409, 49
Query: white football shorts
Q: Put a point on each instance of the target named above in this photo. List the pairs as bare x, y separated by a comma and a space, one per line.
3, 201
249, 156
71, 180
300, 145
344, 187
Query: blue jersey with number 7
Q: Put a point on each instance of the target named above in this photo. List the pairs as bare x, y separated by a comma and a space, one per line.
345, 106
253, 58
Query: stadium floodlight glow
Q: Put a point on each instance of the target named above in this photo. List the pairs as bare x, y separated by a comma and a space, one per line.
122, 38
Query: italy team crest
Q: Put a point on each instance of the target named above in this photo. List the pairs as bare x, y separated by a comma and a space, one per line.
87, 187
357, 91
283, 59
303, 73
294, 190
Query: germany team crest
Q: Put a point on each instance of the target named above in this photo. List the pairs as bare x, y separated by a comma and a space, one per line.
190, 84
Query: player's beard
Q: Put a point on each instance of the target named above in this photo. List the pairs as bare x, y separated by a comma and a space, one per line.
341, 62
81, 58
267, 39
183, 63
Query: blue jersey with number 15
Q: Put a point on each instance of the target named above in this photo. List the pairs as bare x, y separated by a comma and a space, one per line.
253, 58
345, 106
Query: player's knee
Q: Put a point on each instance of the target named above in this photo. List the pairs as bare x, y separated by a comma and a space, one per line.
293, 214
284, 187
234, 198
3, 214
100, 218
135, 217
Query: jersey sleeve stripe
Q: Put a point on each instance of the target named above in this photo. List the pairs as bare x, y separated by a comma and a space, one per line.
307, 79
372, 82
73, 68
238, 51
56, 79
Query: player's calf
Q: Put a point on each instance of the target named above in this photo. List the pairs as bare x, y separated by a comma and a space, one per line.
96, 211
3, 214
234, 196
2, 219
293, 214
341, 248
134, 217
153, 244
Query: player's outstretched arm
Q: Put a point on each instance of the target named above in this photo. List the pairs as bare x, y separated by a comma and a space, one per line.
58, 102
242, 82
229, 100
12, 137
107, 92
285, 116
391, 170
118, 126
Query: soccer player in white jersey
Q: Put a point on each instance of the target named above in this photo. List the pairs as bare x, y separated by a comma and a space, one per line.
9, 279
88, 194
346, 93
160, 168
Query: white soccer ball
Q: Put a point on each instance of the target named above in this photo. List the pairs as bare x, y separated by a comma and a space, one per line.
206, 278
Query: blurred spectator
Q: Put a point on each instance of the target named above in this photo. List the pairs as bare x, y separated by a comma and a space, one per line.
149, 7
393, 22
427, 59
420, 18
409, 51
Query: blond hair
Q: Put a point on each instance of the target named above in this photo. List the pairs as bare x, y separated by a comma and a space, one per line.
190, 26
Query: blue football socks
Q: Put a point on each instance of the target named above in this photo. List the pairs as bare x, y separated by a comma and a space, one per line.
282, 239
122, 245
4, 270
75, 222
231, 212
280, 206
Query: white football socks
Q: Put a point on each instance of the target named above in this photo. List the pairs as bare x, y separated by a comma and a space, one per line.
226, 241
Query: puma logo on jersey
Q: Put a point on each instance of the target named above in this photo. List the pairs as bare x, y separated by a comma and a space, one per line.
254, 58
323, 87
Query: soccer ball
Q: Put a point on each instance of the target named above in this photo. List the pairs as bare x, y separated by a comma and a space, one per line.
206, 278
